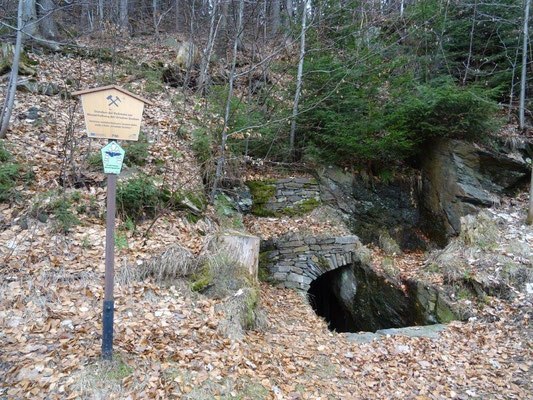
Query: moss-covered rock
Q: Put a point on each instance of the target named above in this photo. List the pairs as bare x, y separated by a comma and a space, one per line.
301, 208
262, 192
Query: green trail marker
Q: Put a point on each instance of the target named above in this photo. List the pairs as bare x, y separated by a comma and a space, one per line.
112, 158
113, 113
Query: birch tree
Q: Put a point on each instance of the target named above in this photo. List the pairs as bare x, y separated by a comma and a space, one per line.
298, 78
221, 158
206, 56
529, 219
124, 14
7, 107
275, 15
524, 67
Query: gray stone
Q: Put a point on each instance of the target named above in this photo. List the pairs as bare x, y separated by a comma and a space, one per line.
292, 285
348, 247
28, 85
301, 249
286, 251
295, 277
310, 240
388, 244
33, 113
364, 337
295, 243
279, 276
283, 268
49, 89
303, 181
294, 199
326, 240
427, 331
346, 240
326, 247
306, 280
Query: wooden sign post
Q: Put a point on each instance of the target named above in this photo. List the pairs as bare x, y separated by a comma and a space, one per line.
113, 113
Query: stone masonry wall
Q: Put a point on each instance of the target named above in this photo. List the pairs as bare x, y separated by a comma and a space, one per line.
291, 192
295, 261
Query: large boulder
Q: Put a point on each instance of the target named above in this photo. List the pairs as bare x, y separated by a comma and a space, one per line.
458, 178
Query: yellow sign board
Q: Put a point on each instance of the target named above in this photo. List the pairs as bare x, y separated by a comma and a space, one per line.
112, 113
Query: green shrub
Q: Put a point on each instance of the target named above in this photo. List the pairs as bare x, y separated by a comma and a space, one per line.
121, 241
137, 152
9, 176
4, 154
202, 144
95, 161
442, 109
64, 219
138, 198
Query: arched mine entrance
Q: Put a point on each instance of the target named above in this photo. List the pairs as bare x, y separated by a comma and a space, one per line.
355, 298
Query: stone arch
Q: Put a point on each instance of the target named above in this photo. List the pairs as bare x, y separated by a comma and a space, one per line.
294, 261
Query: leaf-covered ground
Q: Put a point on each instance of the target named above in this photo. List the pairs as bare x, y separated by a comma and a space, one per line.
167, 341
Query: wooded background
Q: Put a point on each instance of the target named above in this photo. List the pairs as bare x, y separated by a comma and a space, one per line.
329, 80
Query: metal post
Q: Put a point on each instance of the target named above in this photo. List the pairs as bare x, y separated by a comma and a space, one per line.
109, 303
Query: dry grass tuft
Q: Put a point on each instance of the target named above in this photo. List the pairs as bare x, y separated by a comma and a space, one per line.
174, 262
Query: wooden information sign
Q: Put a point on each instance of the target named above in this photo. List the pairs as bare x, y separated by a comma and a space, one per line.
112, 112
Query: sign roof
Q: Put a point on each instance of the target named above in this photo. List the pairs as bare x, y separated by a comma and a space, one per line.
120, 89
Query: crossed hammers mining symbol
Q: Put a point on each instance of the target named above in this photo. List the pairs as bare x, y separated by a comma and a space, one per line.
113, 102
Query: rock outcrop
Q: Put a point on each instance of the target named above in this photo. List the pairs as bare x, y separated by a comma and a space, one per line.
459, 178
374, 208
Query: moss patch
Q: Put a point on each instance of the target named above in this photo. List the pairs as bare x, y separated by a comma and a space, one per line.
262, 192
201, 279
302, 208
248, 315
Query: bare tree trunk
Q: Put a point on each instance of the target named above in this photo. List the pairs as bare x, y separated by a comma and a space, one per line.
29, 18
529, 219
192, 48
222, 42
513, 74
221, 159
274, 22
9, 100
101, 11
206, 58
154, 17
290, 11
124, 14
177, 15
298, 79
471, 42
524, 69
86, 16
47, 24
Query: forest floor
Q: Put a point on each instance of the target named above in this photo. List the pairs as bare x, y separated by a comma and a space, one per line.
167, 344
